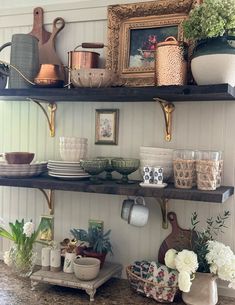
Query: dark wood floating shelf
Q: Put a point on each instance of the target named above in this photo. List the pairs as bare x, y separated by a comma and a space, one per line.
123, 94
111, 187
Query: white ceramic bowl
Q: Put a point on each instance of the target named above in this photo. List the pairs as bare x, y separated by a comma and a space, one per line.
73, 140
86, 268
73, 154
77, 146
156, 150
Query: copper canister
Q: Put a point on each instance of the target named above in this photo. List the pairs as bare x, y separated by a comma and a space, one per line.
171, 62
82, 59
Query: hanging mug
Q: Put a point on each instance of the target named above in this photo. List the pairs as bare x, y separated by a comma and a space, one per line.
126, 206
24, 58
139, 213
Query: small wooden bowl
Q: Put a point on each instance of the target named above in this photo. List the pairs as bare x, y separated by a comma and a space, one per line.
18, 157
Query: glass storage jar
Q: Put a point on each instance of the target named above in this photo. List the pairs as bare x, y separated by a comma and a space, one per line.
184, 168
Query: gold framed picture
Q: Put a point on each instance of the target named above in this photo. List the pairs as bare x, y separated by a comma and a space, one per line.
133, 31
46, 234
106, 130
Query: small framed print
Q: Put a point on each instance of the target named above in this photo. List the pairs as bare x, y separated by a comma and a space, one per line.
46, 233
106, 130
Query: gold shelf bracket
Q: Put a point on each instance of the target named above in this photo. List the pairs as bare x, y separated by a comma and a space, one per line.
164, 209
50, 116
167, 108
49, 196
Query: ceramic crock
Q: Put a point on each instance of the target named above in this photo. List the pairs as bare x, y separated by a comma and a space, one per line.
213, 61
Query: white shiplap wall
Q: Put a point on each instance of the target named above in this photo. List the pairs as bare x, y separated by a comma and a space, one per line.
198, 125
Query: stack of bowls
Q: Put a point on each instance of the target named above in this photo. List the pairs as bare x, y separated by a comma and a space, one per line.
73, 149
157, 157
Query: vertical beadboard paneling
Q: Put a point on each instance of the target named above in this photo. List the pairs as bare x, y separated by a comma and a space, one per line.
201, 125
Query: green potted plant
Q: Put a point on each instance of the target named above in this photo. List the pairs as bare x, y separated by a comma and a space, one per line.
99, 244
211, 25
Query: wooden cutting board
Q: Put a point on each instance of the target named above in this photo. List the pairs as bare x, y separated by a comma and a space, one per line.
178, 239
38, 30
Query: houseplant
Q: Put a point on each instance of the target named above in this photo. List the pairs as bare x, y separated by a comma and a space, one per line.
211, 25
210, 258
93, 243
21, 257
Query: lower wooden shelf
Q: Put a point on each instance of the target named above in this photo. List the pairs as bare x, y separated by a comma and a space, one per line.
111, 187
69, 280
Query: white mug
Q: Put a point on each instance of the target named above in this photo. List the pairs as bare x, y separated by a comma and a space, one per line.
45, 258
55, 260
126, 206
139, 213
68, 262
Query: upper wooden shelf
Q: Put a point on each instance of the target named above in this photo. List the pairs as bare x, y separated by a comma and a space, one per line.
111, 187
123, 94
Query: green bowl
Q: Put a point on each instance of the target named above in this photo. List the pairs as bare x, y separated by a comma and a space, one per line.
125, 166
94, 166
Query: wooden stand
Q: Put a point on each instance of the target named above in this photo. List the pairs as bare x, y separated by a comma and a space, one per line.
69, 280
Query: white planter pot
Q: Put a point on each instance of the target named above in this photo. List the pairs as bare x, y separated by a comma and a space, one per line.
214, 69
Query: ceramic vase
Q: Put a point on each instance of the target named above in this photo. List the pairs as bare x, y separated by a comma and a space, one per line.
203, 290
213, 61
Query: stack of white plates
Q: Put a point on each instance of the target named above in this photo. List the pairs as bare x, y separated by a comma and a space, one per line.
66, 170
22, 170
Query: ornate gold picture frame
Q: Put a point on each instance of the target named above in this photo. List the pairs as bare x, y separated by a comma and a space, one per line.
133, 30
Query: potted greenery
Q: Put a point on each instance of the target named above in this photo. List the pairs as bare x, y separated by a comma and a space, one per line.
204, 262
211, 25
98, 243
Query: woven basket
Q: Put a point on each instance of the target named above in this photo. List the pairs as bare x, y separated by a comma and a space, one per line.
184, 173
162, 293
208, 174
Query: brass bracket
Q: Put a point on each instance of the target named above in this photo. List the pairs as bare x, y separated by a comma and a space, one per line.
164, 209
167, 109
51, 117
49, 196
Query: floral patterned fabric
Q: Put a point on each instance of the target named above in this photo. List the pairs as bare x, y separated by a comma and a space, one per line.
155, 281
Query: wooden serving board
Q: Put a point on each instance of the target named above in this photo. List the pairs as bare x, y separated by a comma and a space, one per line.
178, 239
38, 30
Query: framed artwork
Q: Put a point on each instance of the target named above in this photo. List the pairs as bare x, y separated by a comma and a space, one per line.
106, 126
47, 233
133, 31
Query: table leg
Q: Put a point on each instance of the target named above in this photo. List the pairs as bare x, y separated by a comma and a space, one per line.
91, 293
33, 284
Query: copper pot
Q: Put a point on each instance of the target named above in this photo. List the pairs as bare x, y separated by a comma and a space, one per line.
49, 76
84, 59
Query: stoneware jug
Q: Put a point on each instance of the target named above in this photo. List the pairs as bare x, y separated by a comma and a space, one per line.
24, 57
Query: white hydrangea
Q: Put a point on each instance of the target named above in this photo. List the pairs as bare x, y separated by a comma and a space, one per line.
186, 261
7, 259
170, 257
28, 229
184, 281
218, 254
227, 271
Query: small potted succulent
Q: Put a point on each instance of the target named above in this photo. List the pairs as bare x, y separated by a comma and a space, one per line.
211, 25
98, 243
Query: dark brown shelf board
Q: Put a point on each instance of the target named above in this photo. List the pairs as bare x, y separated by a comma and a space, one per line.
111, 187
123, 94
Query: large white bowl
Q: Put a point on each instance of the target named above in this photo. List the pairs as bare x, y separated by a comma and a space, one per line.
93, 78
73, 140
86, 268
73, 154
77, 146
155, 150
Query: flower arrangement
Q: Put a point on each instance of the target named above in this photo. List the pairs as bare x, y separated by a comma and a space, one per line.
212, 18
21, 255
206, 254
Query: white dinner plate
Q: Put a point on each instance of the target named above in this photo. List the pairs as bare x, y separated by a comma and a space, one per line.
65, 177
68, 174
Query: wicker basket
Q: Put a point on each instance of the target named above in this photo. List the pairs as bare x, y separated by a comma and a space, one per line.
161, 293
208, 174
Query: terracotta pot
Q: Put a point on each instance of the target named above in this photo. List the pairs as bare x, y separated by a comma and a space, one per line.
101, 256
203, 290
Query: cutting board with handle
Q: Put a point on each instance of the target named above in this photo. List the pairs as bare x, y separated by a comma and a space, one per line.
38, 30
178, 239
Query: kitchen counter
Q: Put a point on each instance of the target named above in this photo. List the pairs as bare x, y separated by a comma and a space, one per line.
17, 291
